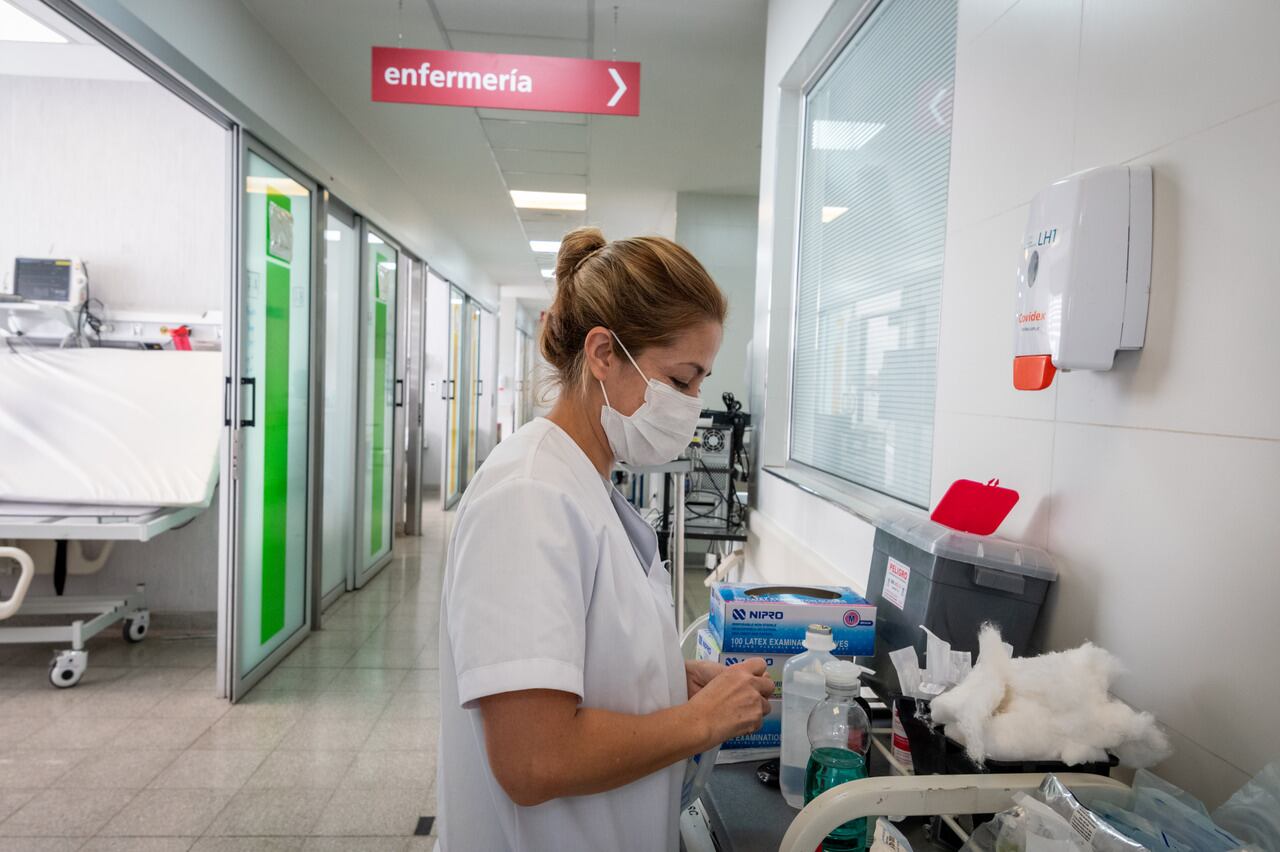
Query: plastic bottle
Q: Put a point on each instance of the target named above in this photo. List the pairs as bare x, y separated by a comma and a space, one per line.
803, 686
840, 739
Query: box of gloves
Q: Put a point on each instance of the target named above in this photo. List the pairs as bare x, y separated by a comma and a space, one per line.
749, 619
709, 649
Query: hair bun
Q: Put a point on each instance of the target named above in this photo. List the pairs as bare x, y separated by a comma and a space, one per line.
574, 248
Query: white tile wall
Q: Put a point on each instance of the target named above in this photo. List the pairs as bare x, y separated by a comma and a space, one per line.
1152, 71
1157, 484
1015, 96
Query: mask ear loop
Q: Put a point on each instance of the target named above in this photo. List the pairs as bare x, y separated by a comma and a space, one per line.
633, 363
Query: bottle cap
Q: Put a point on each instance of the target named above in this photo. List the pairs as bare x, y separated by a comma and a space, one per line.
843, 674
818, 638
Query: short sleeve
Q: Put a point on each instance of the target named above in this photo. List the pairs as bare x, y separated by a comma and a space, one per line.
523, 569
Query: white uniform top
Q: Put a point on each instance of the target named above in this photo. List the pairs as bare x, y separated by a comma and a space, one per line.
552, 582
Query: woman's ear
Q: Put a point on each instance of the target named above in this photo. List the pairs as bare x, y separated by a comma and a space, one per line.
598, 352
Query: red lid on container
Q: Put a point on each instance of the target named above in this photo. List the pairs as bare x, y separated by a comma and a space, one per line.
972, 507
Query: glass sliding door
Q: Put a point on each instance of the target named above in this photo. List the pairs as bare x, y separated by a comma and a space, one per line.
272, 436
487, 392
341, 362
475, 386
456, 414
413, 276
377, 402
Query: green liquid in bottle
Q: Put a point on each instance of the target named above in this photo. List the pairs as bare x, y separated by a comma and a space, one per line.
831, 767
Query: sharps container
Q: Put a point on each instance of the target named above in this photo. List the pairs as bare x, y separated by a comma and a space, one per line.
923, 573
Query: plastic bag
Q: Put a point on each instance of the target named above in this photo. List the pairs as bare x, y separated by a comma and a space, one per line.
1180, 822
887, 838
1253, 813
1051, 820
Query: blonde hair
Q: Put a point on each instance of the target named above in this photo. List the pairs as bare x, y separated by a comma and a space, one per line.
646, 290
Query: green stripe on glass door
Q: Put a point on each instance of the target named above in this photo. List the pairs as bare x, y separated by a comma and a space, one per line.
379, 406
275, 440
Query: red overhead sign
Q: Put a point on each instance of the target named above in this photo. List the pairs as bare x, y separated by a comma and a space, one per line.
505, 81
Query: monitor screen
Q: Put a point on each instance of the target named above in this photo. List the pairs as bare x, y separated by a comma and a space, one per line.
42, 279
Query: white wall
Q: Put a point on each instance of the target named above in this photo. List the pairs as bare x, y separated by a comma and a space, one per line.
1153, 484
122, 175
512, 315
263, 86
435, 369
720, 230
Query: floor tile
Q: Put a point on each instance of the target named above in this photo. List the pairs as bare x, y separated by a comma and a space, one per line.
55, 813
373, 658
122, 705
366, 680
377, 769
347, 705
279, 813
374, 813
138, 844
26, 769
225, 770
162, 678
12, 800
74, 733
403, 734
112, 769
40, 844
244, 733
189, 704
161, 734
301, 770
337, 639
167, 813
327, 734
297, 680
420, 681
248, 844
356, 844
315, 656
413, 705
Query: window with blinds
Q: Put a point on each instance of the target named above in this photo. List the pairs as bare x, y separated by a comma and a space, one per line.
873, 202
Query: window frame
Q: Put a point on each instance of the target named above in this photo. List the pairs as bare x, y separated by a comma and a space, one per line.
846, 19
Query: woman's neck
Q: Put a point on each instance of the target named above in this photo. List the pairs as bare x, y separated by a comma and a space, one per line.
580, 418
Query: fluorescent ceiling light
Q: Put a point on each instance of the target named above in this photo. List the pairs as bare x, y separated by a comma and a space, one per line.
332, 236
546, 246
17, 25
830, 214
375, 240
549, 200
258, 185
548, 273
831, 135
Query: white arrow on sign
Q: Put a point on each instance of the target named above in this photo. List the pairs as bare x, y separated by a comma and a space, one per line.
622, 87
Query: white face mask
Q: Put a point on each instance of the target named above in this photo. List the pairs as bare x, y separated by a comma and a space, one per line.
660, 428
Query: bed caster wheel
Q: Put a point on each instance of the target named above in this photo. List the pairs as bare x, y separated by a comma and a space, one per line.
135, 627
68, 668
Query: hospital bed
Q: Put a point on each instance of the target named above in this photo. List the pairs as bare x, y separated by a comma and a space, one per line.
98, 445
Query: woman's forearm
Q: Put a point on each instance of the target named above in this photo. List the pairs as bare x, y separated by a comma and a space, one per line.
562, 749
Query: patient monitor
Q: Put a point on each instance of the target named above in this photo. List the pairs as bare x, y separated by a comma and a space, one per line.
59, 281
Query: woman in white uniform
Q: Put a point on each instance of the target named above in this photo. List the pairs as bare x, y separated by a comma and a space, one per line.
567, 711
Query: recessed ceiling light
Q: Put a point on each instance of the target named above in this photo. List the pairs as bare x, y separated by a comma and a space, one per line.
546, 246
549, 200
548, 273
17, 25
830, 214
260, 184
375, 240
831, 135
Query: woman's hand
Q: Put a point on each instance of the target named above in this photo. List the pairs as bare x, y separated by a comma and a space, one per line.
699, 673
735, 701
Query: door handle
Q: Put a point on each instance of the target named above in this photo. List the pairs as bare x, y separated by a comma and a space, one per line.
253, 413
397, 395
453, 389
444, 388
226, 402
479, 387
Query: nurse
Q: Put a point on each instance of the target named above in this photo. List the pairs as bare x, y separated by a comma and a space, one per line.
567, 710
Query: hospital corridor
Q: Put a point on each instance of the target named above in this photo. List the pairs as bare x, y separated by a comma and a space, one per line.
639, 425
335, 750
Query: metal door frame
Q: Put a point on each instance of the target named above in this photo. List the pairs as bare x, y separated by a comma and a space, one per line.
238, 685
362, 574
454, 447
414, 375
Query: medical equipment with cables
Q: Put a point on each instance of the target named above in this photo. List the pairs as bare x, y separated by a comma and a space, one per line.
100, 445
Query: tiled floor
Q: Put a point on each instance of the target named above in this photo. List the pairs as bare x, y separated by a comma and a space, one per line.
333, 751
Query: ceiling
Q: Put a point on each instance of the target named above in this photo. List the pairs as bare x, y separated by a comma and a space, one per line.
702, 67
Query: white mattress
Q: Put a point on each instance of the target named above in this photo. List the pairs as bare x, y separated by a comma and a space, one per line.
109, 427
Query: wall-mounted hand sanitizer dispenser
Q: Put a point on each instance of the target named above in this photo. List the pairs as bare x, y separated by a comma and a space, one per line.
1085, 274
